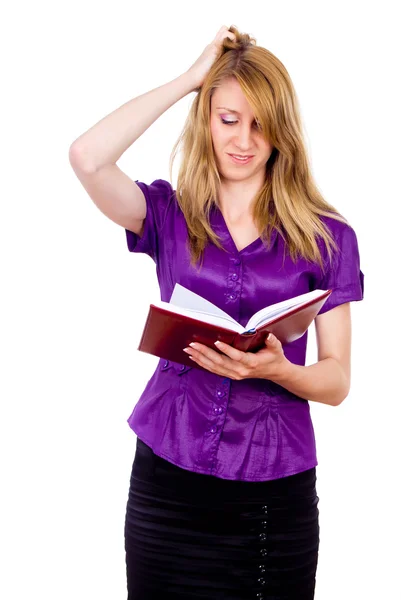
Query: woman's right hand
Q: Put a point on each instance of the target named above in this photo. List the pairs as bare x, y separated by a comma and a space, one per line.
202, 65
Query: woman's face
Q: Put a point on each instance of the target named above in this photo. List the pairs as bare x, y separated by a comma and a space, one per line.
236, 134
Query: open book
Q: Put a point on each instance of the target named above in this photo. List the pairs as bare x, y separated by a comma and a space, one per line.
172, 326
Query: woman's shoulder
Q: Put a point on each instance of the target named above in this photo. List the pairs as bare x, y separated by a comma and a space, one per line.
158, 187
161, 200
337, 224
344, 237
341, 231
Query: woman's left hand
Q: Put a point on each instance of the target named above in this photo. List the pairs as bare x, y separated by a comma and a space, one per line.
268, 363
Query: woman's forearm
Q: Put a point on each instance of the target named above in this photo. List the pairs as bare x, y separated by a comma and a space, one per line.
324, 381
108, 139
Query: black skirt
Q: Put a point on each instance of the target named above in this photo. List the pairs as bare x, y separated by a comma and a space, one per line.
191, 536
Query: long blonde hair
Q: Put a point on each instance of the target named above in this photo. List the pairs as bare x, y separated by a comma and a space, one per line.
289, 200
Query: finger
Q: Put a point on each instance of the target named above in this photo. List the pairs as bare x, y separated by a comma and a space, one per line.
207, 352
220, 31
205, 361
231, 352
228, 34
272, 341
223, 33
222, 28
213, 361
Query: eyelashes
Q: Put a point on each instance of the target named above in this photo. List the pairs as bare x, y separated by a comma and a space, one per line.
225, 122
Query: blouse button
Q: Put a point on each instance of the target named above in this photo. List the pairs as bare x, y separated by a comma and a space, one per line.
262, 537
217, 410
213, 429
262, 568
264, 524
237, 261
259, 596
220, 393
232, 296
263, 552
265, 509
262, 581
234, 276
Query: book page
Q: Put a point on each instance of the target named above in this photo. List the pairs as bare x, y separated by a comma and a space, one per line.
269, 313
186, 299
220, 321
189, 304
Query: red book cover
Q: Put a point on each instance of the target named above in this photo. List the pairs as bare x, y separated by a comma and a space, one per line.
166, 333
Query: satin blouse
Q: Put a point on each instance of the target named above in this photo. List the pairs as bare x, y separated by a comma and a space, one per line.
253, 429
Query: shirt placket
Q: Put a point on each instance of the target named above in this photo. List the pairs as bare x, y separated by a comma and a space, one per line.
221, 392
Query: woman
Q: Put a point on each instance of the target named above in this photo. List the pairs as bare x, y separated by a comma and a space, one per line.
222, 501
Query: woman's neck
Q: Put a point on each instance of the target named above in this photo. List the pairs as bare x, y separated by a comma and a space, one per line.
236, 198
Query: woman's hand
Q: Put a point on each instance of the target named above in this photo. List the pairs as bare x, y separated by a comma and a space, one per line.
268, 363
202, 65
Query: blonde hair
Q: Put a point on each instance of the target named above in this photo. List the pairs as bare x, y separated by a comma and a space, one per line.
289, 200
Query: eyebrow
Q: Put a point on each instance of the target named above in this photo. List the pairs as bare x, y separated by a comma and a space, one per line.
229, 109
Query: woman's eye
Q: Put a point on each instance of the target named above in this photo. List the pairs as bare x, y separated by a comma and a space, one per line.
256, 123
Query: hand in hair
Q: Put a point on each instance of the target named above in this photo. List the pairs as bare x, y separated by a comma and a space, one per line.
201, 66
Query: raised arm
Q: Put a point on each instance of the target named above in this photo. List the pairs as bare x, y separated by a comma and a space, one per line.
94, 154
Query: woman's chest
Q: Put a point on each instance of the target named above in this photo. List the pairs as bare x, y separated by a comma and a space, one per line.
238, 280
242, 233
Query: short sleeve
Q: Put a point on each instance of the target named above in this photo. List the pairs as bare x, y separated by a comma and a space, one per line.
344, 275
158, 196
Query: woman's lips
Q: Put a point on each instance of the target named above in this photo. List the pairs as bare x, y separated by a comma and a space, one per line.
239, 161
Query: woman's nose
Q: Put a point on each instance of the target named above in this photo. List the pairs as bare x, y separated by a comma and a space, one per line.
244, 138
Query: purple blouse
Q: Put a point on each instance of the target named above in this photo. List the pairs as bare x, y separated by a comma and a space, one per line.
253, 429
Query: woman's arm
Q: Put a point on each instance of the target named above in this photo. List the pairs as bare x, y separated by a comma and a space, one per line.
93, 155
327, 381
104, 143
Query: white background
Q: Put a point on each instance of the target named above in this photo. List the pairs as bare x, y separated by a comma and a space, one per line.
74, 299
